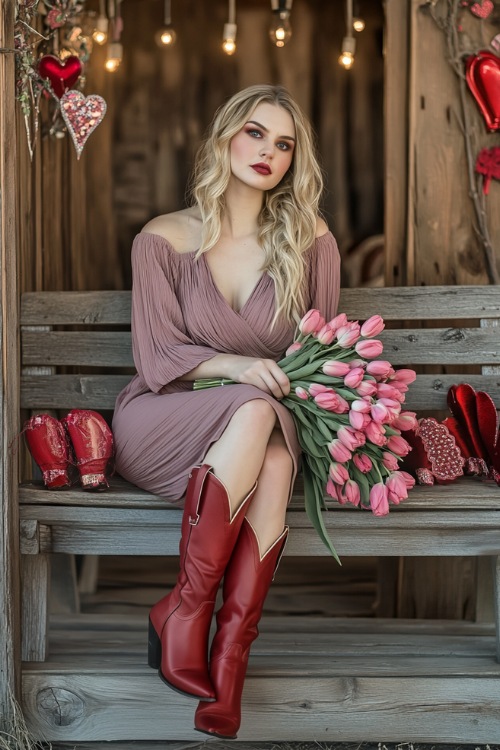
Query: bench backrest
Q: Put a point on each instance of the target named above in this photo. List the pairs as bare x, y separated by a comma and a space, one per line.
458, 327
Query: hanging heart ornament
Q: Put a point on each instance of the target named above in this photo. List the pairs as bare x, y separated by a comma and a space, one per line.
61, 74
82, 114
483, 77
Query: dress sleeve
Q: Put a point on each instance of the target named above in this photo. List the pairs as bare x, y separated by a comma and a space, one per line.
161, 346
325, 275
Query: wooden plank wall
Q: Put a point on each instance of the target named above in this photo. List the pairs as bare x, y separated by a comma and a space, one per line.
78, 219
10, 651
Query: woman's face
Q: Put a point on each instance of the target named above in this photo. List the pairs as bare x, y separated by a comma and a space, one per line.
261, 153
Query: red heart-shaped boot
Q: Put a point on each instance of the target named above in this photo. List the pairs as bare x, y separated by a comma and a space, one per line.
92, 442
48, 445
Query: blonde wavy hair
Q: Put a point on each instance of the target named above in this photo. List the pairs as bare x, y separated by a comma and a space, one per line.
287, 222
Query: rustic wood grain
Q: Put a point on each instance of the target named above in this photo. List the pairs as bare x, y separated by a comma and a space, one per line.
35, 571
10, 612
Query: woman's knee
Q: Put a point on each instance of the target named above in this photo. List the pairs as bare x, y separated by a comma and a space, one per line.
256, 414
278, 460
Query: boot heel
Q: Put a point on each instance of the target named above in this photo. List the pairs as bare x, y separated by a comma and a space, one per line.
154, 648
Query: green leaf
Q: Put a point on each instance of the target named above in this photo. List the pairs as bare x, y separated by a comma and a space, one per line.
313, 505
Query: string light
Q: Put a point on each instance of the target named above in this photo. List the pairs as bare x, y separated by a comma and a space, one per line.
348, 42
100, 34
358, 24
166, 36
229, 33
114, 55
281, 30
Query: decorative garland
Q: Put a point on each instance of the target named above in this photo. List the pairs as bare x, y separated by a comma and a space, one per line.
51, 64
479, 69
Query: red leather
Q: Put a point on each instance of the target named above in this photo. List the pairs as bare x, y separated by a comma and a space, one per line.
246, 583
92, 442
182, 619
48, 445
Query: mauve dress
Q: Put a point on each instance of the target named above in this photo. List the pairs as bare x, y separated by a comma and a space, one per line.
162, 428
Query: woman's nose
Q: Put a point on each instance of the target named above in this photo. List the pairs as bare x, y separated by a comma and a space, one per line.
266, 149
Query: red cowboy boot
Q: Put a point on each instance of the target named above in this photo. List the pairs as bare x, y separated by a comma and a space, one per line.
246, 583
179, 624
49, 447
92, 442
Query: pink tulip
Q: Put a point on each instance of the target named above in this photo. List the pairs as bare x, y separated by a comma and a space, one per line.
331, 489
384, 390
338, 473
379, 368
367, 388
338, 451
356, 419
400, 387
336, 369
362, 462
293, 348
325, 335
393, 408
357, 363
332, 402
372, 327
301, 393
376, 434
407, 420
390, 461
312, 321
338, 321
409, 480
347, 436
354, 377
369, 349
348, 335
361, 404
352, 493
379, 501
405, 376
317, 388
396, 488
379, 413
398, 445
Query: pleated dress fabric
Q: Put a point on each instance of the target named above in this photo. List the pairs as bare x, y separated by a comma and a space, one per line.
162, 428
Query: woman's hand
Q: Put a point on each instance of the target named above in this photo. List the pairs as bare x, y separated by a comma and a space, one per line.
263, 373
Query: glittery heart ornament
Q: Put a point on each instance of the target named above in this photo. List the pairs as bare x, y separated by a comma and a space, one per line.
61, 74
82, 115
435, 454
482, 10
483, 78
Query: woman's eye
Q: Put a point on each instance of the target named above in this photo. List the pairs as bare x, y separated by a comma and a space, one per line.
284, 146
254, 133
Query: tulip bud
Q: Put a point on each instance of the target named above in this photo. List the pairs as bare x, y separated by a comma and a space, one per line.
372, 327
398, 445
354, 377
293, 348
352, 493
301, 393
338, 451
338, 322
379, 413
390, 461
316, 388
348, 335
338, 473
376, 434
312, 321
335, 369
405, 376
362, 405
369, 349
379, 368
407, 420
379, 501
409, 480
362, 462
356, 419
325, 335
396, 488
367, 388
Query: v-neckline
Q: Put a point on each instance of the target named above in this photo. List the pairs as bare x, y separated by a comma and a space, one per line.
219, 293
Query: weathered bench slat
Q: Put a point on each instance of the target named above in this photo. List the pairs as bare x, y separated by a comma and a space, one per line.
410, 303
466, 493
428, 392
440, 346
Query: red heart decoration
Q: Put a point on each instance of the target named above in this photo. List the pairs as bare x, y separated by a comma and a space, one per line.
61, 74
483, 77
482, 10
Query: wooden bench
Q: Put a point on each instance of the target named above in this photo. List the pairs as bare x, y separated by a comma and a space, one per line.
309, 678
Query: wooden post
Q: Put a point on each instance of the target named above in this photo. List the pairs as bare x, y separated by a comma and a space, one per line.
496, 577
10, 615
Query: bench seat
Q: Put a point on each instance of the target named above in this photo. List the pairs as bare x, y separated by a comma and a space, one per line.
309, 678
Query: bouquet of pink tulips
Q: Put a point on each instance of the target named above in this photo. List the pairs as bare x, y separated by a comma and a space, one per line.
346, 405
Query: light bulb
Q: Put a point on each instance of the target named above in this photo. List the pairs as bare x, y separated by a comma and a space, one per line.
115, 56
348, 49
229, 38
165, 37
358, 24
100, 35
281, 29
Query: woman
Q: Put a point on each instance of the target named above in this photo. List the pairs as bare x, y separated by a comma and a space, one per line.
217, 291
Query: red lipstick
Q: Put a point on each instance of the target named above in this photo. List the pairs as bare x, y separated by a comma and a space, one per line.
262, 168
